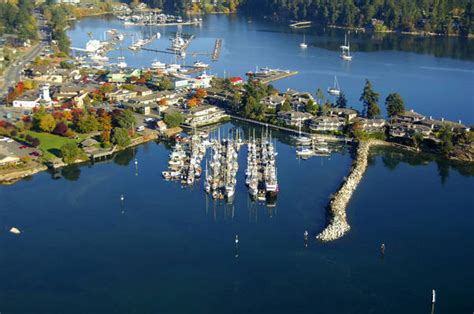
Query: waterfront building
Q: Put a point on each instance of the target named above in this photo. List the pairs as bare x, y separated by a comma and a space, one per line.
327, 124
348, 114
294, 118
409, 116
203, 115
371, 125
437, 125
273, 101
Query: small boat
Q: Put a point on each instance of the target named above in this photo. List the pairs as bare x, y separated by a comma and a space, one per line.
304, 152
122, 65
334, 90
199, 64
303, 45
158, 65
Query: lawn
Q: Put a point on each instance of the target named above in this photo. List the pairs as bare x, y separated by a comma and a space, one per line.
51, 144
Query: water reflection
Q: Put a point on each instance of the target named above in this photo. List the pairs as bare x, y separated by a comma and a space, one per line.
71, 172
124, 157
392, 157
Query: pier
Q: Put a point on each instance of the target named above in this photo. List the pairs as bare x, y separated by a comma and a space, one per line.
217, 50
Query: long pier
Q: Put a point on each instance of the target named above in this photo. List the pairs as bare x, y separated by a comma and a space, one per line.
277, 76
217, 50
159, 51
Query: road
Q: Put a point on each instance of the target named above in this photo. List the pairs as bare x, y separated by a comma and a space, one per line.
13, 73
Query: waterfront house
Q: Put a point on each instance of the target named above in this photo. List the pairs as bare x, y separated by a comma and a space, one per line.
371, 125
409, 116
327, 124
203, 115
436, 125
236, 80
89, 142
273, 101
294, 118
348, 114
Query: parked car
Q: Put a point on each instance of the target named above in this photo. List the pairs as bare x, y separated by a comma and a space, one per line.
23, 146
141, 128
36, 154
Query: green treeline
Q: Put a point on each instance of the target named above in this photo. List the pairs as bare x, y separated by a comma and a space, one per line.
18, 19
57, 17
440, 16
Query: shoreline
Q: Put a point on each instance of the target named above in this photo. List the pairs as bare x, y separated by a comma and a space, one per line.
16, 175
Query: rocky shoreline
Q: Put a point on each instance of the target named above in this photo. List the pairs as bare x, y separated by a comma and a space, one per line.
15, 176
338, 225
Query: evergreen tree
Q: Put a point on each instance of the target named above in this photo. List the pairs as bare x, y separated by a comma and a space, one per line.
341, 101
395, 104
370, 98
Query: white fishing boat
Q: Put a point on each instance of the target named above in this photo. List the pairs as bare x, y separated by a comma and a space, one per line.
346, 50
335, 90
303, 45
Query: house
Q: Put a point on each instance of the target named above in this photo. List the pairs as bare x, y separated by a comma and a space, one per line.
161, 126
371, 125
294, 118
348, 114
89, 142
236, 80
120, 94
28, 100
436, 125
409, 116
142, 90
408, 130
273, 101
203, 115
203, 81
327, 124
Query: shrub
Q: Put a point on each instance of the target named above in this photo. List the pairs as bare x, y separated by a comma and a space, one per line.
70, 152
35, 142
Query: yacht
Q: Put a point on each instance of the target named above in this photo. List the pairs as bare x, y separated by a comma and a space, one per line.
334, 90
346, 50
199, 64
304, 152
158, 65
303, 45
122, 65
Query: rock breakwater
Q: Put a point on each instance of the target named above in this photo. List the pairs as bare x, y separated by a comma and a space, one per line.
338, 225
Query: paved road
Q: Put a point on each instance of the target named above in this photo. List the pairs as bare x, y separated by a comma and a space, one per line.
12, 74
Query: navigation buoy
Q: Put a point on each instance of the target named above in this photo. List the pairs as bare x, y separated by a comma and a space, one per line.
122, 198
382, 249
433, 296
15, 230
136, 161
236, 239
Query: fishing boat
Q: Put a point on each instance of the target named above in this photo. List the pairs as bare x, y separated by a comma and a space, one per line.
335, 90
346, 50
303, 45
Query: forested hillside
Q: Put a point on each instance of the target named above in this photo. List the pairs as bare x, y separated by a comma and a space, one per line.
17, 18
439, 16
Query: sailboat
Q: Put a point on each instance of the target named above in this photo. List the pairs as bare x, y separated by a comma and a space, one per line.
300, 139
303, 45
346, 50
334, 90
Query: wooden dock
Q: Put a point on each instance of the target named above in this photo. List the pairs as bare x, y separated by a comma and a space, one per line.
217, 50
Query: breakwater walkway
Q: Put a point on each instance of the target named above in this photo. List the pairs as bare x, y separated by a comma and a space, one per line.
338, 225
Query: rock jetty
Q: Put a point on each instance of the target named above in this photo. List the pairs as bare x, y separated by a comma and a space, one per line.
338, 224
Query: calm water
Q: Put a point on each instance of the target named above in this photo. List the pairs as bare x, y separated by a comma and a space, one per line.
169, 250
436, 86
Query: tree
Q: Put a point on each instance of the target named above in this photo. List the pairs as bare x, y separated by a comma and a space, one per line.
87, 124
126, 119
370, 98
70, 152
121, 137
319, 96
60, 129
165, 84
47, 123
286, 106
201, 93
341, 101
173, 119
311, 107
395, 104
193, 102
